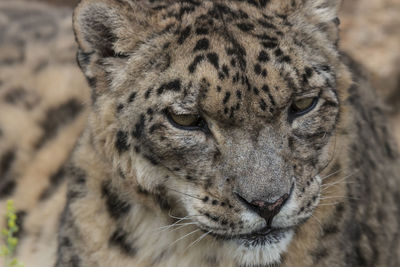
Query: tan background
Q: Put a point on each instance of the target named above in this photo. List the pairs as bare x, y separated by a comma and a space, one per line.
371, 34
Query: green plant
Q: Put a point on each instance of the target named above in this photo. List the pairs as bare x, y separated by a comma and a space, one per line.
11, 241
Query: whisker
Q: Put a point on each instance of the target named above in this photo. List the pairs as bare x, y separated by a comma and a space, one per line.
326, 186
329, 204
319, 222
184, 237
325, 190
183, 225
338, 181
163, 228
331, 174
331, 159
179, 218
338, 197
198, 240
185, 194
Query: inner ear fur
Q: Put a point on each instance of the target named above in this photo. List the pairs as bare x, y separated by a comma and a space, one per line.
110, 27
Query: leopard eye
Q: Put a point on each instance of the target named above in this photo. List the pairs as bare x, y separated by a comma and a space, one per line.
186, 121
303, 106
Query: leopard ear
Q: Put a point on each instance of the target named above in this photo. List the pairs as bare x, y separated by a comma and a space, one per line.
318, 10
109, 27
324, 15
321, 13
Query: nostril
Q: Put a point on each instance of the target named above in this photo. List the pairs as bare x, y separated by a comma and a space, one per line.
246, 203
265, 209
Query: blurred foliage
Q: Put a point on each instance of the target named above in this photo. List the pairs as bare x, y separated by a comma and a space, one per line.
7, 251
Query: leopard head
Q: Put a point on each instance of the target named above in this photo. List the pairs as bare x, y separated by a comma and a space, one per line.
225, 110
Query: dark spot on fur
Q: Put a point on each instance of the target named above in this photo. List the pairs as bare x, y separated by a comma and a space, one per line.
263, 105
225, 70
132, 97
196, 61
142, 191
184, 34
319, 254
174, 85
226, 98
156, 127
56, 118
120, 107
285, 59
21, 96
246, 27
257, 69
202, 44
278, 52
161, 199
266, 24
121, 142
213, 59
152, 160
149, 111
148, 92
92, 81
263, 56
55, 181
256, 91
139, 127
120, 239
116, 207
269, 45
201, 31
264, 73
330, 229
6, 162
137, 149
7, 188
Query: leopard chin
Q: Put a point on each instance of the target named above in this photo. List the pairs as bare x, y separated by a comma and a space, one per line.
262, 249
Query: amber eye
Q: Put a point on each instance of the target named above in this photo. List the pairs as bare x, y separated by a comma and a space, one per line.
302, 106
186, 121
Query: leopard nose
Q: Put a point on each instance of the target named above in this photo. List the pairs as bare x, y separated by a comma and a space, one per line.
265, 209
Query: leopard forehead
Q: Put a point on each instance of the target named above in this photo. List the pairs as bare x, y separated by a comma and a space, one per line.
229, 61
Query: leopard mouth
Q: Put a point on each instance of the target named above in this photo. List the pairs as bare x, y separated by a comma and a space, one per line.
261, 237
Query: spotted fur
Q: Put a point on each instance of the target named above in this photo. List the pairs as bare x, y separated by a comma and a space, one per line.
144, 191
